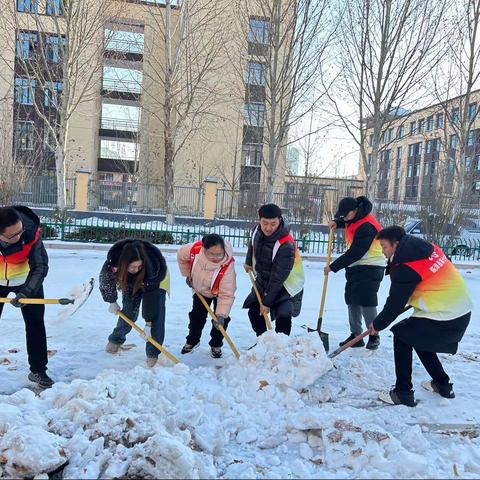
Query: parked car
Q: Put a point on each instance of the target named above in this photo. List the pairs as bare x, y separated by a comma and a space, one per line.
457, 241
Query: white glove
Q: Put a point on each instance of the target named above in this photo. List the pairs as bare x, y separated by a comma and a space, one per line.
114, 308
147, 331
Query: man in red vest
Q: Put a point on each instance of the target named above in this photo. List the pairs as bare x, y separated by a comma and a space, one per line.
23, 267
363, 262
424, 278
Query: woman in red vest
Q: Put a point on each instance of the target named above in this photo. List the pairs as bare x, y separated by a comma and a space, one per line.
424, 278
208, 266
363, 262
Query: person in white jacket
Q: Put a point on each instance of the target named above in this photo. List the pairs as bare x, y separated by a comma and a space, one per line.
208, 266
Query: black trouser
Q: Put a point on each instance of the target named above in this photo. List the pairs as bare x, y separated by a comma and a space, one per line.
403, 365
198, 318
281, 313
36, 338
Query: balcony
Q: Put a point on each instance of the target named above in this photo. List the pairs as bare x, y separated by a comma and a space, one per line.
119, 128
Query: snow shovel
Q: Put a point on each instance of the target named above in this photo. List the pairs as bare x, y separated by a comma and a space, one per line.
220, 328
323, 335
76, 298
259, 299
339, 350
148, 339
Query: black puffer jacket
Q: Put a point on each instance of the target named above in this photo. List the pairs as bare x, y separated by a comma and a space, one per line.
37, 258
155, 270
364, 236
422, 333
270, 275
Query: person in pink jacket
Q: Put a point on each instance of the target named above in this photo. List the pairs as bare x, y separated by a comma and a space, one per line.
208, 266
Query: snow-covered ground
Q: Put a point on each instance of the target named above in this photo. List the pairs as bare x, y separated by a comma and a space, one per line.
282, 411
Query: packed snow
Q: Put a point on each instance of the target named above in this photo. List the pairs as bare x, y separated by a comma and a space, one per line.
283, 410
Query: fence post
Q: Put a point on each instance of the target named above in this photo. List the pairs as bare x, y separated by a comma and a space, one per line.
210, 187
81, 190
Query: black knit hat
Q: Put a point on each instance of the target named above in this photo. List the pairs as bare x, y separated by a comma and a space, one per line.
270, 210
346, 205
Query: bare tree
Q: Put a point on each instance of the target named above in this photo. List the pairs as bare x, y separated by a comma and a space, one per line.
386, 49
14, 172
58, 62
179, 72
454, 82
287, 40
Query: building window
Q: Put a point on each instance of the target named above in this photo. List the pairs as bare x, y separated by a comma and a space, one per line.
24, 135
409, 171
119, 150
430, 123
27, 6
411, 150
390, 134
455, 115
52, 94
428, 146
52, 48
24, 90
413, 128
399, 153
438, 144
369, 159
255, 74
468, 163
124, 41
254, 114
54, 7
425, 168
400, 132
453, 141
477, 162
470, 138
120, 117
421, 125
49, 142
258, 31
252, 155
439, 120
122, 79
451, 166
26, 42
105, 176
472, 111
476, 187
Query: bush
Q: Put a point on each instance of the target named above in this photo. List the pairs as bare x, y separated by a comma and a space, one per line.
111, 235
48, 232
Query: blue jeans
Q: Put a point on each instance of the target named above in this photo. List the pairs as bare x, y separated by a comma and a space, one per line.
131, 307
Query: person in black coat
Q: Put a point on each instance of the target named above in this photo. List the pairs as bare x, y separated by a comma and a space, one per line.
424, 278
23, 268
138, 269
363, 262
272, 255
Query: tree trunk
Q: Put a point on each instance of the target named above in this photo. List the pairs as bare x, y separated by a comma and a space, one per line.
60, 174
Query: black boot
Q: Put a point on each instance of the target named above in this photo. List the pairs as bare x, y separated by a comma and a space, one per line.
360, 343
373, 342
41, 378
396, 397
446, 391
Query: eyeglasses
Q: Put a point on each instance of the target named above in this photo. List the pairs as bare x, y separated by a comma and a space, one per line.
10, 237
215, 255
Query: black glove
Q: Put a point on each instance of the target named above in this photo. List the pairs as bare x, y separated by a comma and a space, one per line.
220, 321
15, 301
188, 281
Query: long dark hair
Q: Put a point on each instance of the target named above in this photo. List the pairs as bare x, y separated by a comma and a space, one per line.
131, 252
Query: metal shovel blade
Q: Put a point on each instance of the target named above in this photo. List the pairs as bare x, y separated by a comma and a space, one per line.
323, 335
79, 294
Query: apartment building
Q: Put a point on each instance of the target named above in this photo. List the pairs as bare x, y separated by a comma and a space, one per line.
116, 132
419, 151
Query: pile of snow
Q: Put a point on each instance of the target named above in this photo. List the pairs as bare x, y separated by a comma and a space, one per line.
168, 422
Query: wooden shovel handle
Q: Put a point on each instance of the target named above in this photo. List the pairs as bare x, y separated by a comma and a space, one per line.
259, 299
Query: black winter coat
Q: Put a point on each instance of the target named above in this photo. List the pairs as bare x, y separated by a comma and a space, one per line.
421, 333
270, 275
37, 258
363, 281
155, 272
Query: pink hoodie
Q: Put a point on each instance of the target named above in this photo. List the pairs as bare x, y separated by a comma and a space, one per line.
204, 273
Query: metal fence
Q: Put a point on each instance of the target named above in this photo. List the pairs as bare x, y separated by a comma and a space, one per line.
42, 192
144, 198
94, 229
244, 204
